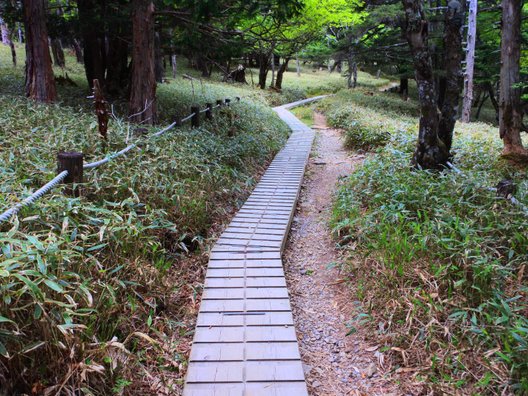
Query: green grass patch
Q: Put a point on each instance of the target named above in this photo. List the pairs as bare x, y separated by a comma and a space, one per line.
438, 260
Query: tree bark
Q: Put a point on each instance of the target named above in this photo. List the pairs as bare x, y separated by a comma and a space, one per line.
454, 18
263, 69
58, 52
404, 88
174, 64
6, 39
159, 69
93, 51
142, 106
298, 66
77, 49
117, 72
470, 62
272, 69
40, 82
510, 112
280, 73
431, 152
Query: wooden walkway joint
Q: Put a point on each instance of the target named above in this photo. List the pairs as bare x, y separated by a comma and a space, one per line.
245, 341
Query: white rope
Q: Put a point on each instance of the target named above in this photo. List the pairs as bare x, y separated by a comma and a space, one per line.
33, 197
61, 176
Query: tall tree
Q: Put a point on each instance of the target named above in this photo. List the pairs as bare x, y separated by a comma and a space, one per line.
431, 152
510, 111
454, 18
142, 104
470, 61
40, 82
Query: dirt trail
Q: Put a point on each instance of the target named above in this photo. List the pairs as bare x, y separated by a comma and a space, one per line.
335, 364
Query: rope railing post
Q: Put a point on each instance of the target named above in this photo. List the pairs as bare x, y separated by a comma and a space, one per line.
178, 121
219, 102
72, 162
209, 112
227, 102
237, 98
195, 120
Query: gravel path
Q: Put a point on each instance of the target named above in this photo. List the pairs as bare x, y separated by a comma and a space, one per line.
335, 364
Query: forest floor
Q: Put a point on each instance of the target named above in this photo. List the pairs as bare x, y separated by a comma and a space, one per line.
335, 363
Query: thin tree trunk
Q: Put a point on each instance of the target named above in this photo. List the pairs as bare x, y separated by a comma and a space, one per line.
58, 52
404, 88
117, 73
298, 66
453, 68
470, 61
510, 112
484, 98
431, 152
263, 69
159, 69
20, 35
77, 50
93, 51
6, 39
174, 64
272, 70
142, 106
40, 82
280, 73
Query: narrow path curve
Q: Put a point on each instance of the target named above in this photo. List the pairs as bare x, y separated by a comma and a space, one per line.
334, 363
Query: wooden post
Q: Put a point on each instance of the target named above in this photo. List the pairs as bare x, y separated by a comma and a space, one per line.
470, 62
220, 102
227, 102
195, 120
209, 112
178, 121
238, 98
72, 162
101, 109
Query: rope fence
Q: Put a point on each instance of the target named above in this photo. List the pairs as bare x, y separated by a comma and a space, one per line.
71, 164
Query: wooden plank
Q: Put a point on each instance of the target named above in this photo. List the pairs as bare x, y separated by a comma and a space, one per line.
245, 342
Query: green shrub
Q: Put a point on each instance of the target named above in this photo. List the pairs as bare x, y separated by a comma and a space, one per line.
442, 277
86, 281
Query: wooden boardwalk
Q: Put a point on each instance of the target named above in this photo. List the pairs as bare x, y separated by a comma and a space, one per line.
245, 341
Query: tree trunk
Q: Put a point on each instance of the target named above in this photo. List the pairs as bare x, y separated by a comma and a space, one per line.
272, 70
453, 66
159, 69
484, 98
5, 32
93, 51
174, 64
510, 112
142, 106
40, 82
404, 88
117, 73
77, 49
6, 39
280, 73
58, 52
263, 69
298, 66
352, 71
431, 152
470, 61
